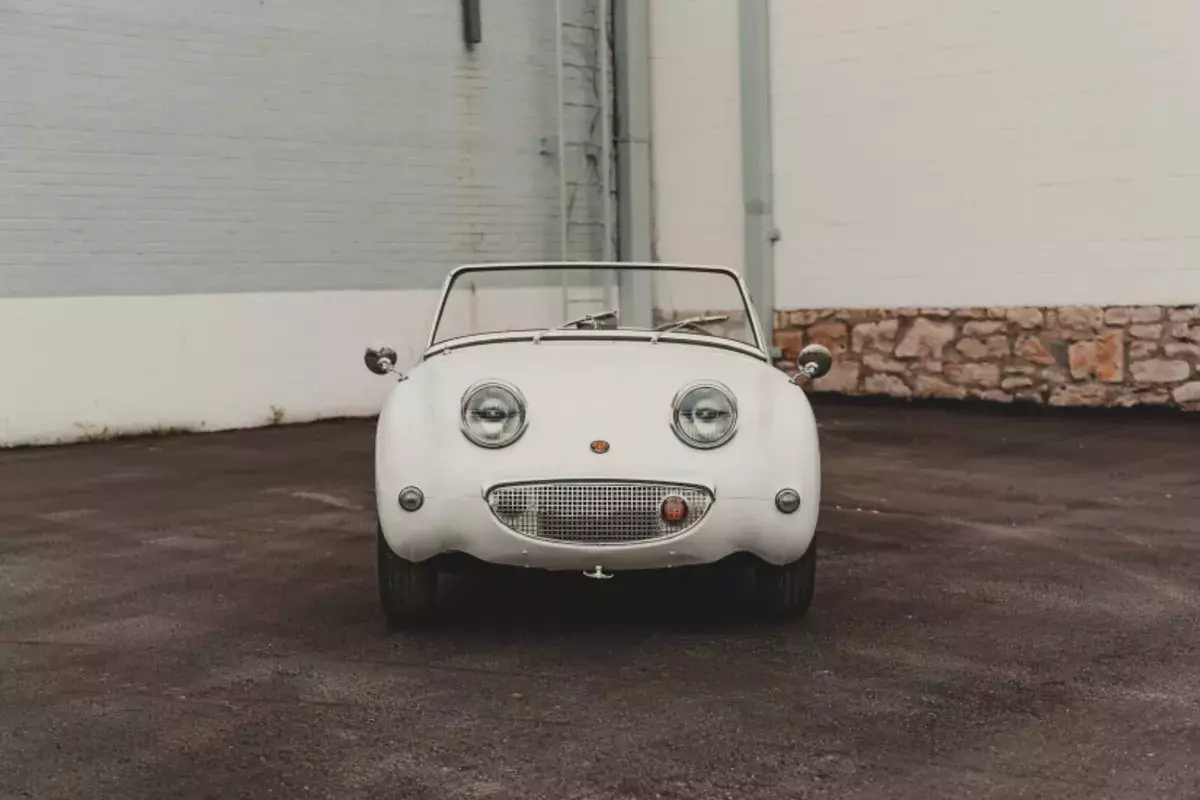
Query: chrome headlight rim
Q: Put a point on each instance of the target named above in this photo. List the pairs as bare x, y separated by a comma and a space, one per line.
716, 386
464, 406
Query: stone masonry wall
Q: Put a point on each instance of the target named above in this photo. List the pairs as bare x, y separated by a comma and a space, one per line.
1070, 356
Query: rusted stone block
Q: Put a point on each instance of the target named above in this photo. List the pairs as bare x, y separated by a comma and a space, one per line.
1102, 358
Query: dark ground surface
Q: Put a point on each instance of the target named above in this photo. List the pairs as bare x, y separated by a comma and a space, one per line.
1007, 607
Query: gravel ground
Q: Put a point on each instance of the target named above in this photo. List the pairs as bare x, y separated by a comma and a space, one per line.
1007, 607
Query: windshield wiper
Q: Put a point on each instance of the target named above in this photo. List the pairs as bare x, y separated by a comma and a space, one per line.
591, 319
692, 322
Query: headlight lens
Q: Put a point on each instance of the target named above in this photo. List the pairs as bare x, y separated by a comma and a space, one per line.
493, 414
704, 415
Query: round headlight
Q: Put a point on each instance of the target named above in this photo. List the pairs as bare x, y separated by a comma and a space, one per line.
493, 414
704, 415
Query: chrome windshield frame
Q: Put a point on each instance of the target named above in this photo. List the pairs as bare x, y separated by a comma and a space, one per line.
618, 266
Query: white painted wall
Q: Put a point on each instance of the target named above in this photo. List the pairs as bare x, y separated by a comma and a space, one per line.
939, 154
86, 367
212, 208
83, 367
696, 132
1001, 153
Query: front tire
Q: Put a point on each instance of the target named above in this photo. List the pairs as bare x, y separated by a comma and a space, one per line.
407, 590
786, 591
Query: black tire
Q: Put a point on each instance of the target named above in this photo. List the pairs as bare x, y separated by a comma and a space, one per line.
786, 591
407, 590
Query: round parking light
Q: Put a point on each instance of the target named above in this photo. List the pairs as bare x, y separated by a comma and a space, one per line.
411, 498
787, 501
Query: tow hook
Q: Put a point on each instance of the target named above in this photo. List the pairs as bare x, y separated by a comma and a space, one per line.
598, 573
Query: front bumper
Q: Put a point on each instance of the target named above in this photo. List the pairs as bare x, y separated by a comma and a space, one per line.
466, 523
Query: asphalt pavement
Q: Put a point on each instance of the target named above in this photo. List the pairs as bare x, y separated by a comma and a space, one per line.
1006, 607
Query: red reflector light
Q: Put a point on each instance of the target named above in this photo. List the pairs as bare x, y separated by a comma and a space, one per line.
674, 509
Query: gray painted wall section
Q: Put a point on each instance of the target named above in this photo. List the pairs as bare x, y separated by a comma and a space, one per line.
170, 148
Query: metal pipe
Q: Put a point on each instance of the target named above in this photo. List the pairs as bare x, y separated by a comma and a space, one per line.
604, 55
605, 131
562, 144
562, 155
758, 189
631, 54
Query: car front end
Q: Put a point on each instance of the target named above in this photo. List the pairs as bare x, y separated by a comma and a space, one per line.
623, 456
642, 435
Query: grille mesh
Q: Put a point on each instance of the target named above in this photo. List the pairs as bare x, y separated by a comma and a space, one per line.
595, 513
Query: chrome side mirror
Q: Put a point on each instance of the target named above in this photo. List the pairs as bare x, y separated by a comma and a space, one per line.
814, 362
380, 360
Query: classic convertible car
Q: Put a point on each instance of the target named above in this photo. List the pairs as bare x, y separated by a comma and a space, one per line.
651, 431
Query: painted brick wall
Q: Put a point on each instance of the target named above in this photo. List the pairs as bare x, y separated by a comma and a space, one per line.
932, 153
152, 147
696, 132
1001, 153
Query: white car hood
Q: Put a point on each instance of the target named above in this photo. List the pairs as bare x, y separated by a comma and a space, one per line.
599, 358
578, 392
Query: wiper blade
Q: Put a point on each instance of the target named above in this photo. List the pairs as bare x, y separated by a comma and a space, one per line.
591, 319
691, 322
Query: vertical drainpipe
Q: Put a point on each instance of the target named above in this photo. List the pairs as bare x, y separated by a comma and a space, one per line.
631, 54
562, 139
758, 188
562, 154
604, 56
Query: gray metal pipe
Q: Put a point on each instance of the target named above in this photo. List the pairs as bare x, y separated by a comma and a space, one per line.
758, 187
563, 228
606, 160
562, 144
635, 211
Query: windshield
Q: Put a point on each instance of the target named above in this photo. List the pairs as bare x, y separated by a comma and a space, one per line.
694, 301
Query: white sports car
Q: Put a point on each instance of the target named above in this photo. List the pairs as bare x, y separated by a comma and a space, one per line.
651, 431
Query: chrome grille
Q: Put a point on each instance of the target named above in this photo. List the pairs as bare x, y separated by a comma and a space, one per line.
595, 512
